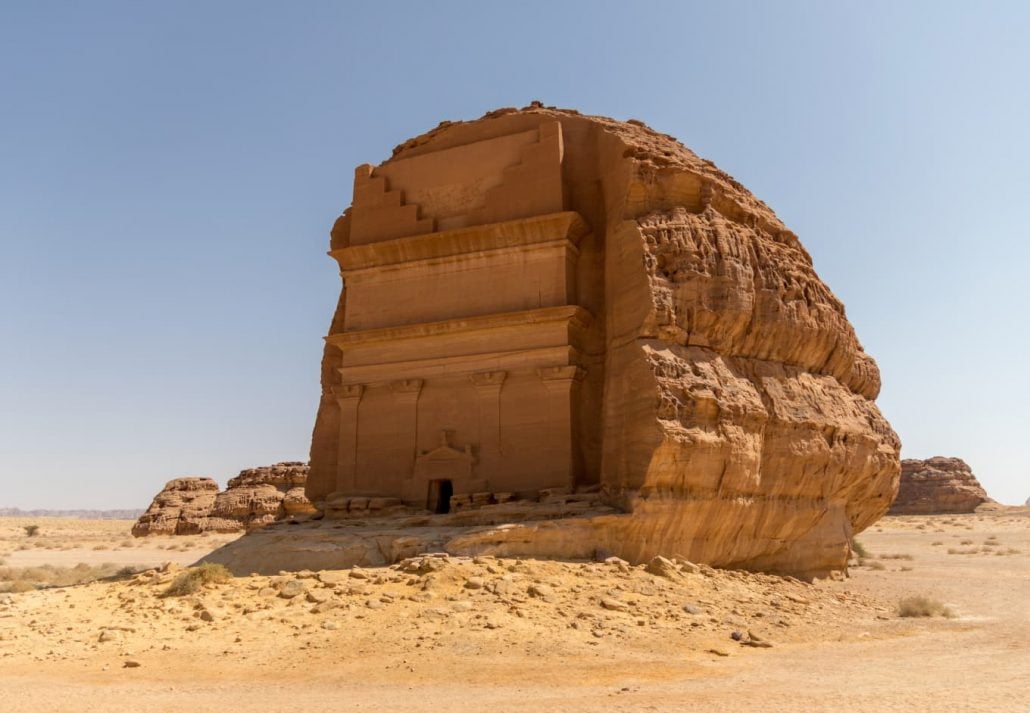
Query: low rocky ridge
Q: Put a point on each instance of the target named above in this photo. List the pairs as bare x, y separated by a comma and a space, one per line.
432, 601
255, 498
937, 485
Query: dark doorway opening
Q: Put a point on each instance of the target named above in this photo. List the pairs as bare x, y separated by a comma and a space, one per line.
439, 498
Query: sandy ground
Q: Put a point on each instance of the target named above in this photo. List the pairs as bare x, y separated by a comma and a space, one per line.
502, 635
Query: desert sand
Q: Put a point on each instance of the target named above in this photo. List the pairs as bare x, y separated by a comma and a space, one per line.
462, 634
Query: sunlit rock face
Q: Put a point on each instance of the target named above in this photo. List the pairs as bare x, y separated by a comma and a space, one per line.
544, 301
254, 498
937, 485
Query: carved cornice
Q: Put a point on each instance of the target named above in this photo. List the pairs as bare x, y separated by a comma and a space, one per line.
567, 227
577, 317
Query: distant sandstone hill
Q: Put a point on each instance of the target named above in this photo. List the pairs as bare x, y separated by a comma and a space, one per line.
541, 301
937, 485
255, 498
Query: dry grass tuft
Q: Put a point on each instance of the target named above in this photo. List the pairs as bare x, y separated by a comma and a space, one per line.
195, 577
859, 550
23, 579
922, 606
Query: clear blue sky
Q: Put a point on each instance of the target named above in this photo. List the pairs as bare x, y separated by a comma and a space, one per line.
169, 172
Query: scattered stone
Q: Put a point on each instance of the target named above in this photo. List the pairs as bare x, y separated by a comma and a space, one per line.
332, 577
322, 607
541, 591
292, 588
614, 604
662, 567
317, 596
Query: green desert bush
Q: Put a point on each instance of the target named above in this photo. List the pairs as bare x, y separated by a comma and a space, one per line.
195, 577
31, 530
923, 606
859, 549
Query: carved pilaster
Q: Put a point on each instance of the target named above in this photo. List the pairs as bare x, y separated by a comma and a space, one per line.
488, 390
561, 383
348, 396
405, 394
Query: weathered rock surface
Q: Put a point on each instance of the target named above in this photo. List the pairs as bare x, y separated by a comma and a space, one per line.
255, 498
180, 508
261, 496
937, 485
725, 406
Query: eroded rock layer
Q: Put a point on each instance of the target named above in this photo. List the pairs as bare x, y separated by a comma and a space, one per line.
720, 398
937, 485
253, 499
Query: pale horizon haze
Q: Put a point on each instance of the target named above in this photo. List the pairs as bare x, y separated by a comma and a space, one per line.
169, 173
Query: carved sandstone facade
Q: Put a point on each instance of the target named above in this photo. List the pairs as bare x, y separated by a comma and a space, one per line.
461, 355
540, 299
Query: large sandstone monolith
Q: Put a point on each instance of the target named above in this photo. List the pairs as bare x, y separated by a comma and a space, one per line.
541, 301
255, 498
937, 485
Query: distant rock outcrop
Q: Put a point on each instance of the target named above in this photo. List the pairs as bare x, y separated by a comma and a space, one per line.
179, 509
253, 499
937, 485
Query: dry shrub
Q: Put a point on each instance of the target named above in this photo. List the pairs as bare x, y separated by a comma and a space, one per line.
859, 549
49, 575
896, 557
923, 606
17, 587
966, 542
195, 577
938, 543
31, 530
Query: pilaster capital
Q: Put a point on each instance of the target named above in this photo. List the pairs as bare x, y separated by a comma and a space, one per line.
486, 379
348, 392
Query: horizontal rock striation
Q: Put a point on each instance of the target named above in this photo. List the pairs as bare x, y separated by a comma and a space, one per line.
255, 498
937, 485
